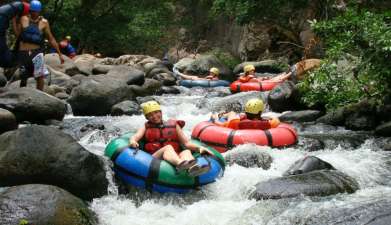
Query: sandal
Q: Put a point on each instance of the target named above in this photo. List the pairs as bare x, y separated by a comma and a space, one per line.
185, 164
197, 170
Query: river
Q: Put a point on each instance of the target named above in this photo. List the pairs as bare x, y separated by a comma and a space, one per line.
226, 201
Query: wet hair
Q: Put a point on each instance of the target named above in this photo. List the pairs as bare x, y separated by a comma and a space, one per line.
251, 116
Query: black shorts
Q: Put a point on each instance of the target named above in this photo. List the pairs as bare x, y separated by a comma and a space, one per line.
26, 64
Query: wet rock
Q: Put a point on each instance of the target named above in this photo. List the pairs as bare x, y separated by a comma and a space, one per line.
310, 144
357, 121
266, 66
254, 157
233, 102
85, 63
97, 94
316, 183
343, 139
3, 80
150, 87
384, 130
45, 155
62, 95
301, 116
383, 112
255, 41
126, 108
169, 90
201, 66
383, 144
101, 69
166, 78
7, 121
335, 118
369, 212
91, 127
32, 105
306, 165
43, 204
69, 67
284, 97
128, 75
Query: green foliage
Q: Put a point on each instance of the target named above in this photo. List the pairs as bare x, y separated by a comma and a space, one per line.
225, 57
364, 34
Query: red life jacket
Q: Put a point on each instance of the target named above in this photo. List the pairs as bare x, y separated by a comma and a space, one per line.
159, 135
247, 78
253, 124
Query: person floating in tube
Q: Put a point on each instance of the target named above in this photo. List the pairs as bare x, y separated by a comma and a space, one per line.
33, 28
249, 75
251, 119
213, 75
163, 140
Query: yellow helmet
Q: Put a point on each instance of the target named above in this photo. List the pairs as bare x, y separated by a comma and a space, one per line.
150, 106
214, 70
254, 106
248, 68
68, 38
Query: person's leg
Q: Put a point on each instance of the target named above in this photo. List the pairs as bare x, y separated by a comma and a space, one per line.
40, 82
186, 155
168, 153
5, 54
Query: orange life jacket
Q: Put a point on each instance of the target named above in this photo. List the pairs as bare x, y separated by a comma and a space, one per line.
159, 135
247, 78
253, 124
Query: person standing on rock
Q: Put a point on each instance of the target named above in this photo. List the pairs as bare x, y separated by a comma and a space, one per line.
33, 28
9, 12
213, 75
163, 140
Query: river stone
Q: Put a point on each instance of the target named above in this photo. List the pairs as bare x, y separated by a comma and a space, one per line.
101, 69
128, 75
335, 117
358, 121
283, 97
301, 116
201, 66
96, 95
29, 104
126, 108
315, 183
310, 144
43, 205
7, 121
233, 102
3, 80
45, 155
150, 87
85, 63
306, 165
167, 79
246, 157
69, 67
169, 90
384, 129
369, 212
266, 66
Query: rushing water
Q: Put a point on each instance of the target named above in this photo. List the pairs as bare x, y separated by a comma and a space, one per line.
226, 201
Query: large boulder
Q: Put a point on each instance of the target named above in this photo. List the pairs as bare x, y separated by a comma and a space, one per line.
384, 130
45, 155
266, 66
69, 67
96, 95
32, 105
308, 164
249, 157
301, 116
43, 205
233, 102
7, 121
315, 183
150, 87
85, 63
284, 97
129, 75
3, 80
255, 41
126, 108
201, 65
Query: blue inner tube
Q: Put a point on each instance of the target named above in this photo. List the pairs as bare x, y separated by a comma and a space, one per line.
204, 83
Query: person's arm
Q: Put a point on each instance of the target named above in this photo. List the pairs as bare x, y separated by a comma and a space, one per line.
53, 41
188, 144
189, 77
281, 77
15, 27
133, 141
